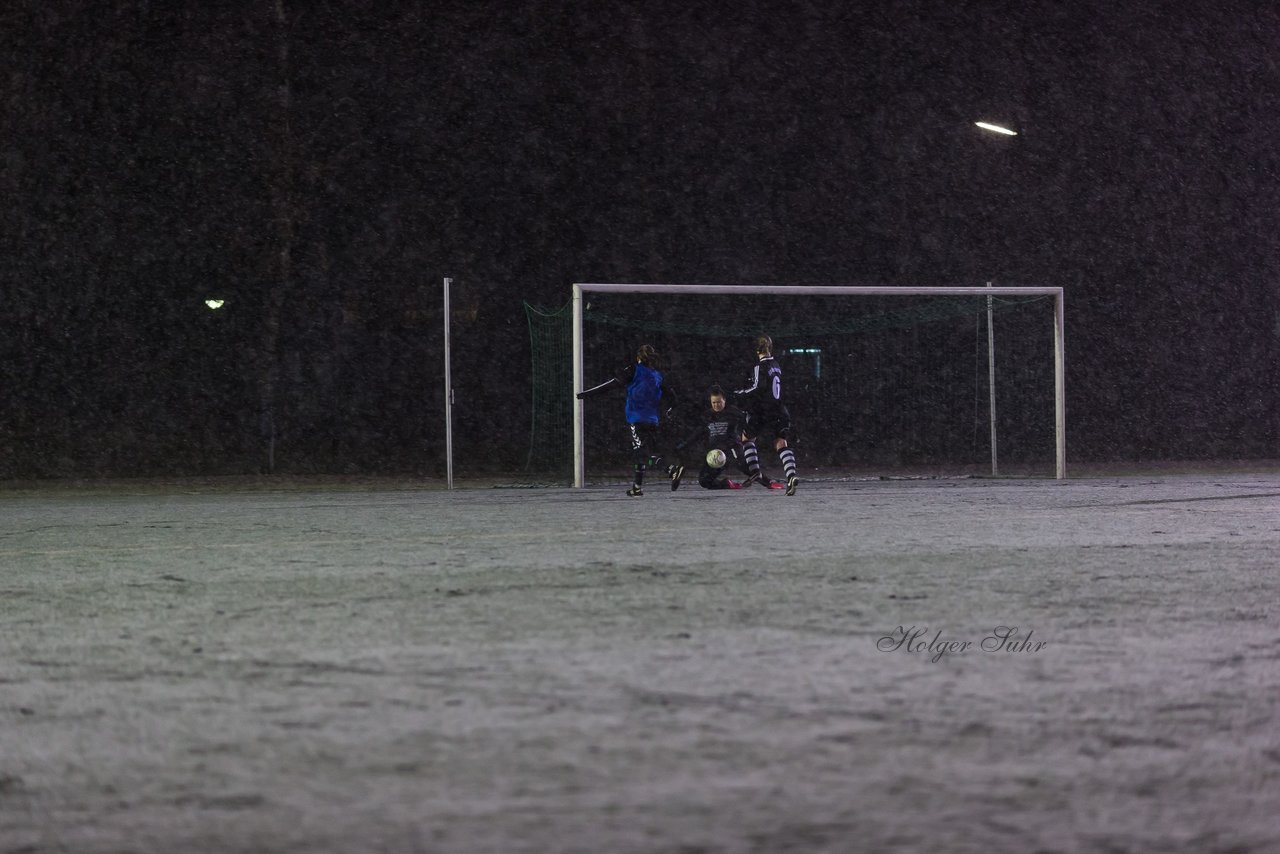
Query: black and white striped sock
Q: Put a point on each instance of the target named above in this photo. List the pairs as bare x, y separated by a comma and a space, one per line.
788, 458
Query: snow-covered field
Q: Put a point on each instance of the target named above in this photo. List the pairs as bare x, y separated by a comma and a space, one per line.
948, 665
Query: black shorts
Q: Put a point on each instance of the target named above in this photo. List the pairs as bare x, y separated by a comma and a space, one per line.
643, 436
772, 425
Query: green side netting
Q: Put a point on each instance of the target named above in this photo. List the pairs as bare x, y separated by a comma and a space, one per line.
551, 342
876, 383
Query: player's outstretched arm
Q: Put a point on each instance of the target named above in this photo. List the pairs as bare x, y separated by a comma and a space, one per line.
754, 383
622, 378
607, 384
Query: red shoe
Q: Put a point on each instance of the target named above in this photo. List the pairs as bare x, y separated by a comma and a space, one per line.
773, 484
733, 484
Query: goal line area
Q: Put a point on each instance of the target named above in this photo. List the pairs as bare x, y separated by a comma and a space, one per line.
880, 381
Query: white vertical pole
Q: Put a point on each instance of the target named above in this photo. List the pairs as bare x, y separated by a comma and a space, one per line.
448, 392
1059, 387
579, 452
991, 384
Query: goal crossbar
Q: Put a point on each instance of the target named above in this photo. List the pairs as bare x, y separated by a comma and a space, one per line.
1059, 343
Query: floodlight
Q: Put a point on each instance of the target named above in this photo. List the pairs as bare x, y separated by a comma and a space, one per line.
996, 128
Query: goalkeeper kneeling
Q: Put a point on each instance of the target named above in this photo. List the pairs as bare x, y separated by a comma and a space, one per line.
721, 430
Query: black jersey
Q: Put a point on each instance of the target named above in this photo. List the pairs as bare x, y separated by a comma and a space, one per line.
721, 429
762, 397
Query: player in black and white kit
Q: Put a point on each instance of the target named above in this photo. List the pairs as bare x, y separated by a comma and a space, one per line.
649, 397
722, 428
768, 417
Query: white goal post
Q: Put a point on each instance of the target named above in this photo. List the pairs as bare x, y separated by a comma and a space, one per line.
1059, 386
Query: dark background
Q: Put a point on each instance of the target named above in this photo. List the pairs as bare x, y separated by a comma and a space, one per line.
322, 166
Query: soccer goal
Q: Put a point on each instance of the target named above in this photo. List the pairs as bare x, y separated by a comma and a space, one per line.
887, 380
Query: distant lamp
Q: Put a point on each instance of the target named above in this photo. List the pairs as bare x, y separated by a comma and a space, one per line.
815, 352
996, 128
214, 304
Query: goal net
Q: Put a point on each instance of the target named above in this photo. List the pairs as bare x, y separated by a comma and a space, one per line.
880, 381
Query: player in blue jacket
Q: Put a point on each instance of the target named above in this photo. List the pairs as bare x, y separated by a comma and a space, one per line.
648, 400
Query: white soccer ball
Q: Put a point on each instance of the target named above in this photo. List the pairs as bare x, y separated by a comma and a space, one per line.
716, 458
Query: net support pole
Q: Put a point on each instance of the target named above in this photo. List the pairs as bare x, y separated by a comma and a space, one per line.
579, 453
1059, 387
448, 392
991, 383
